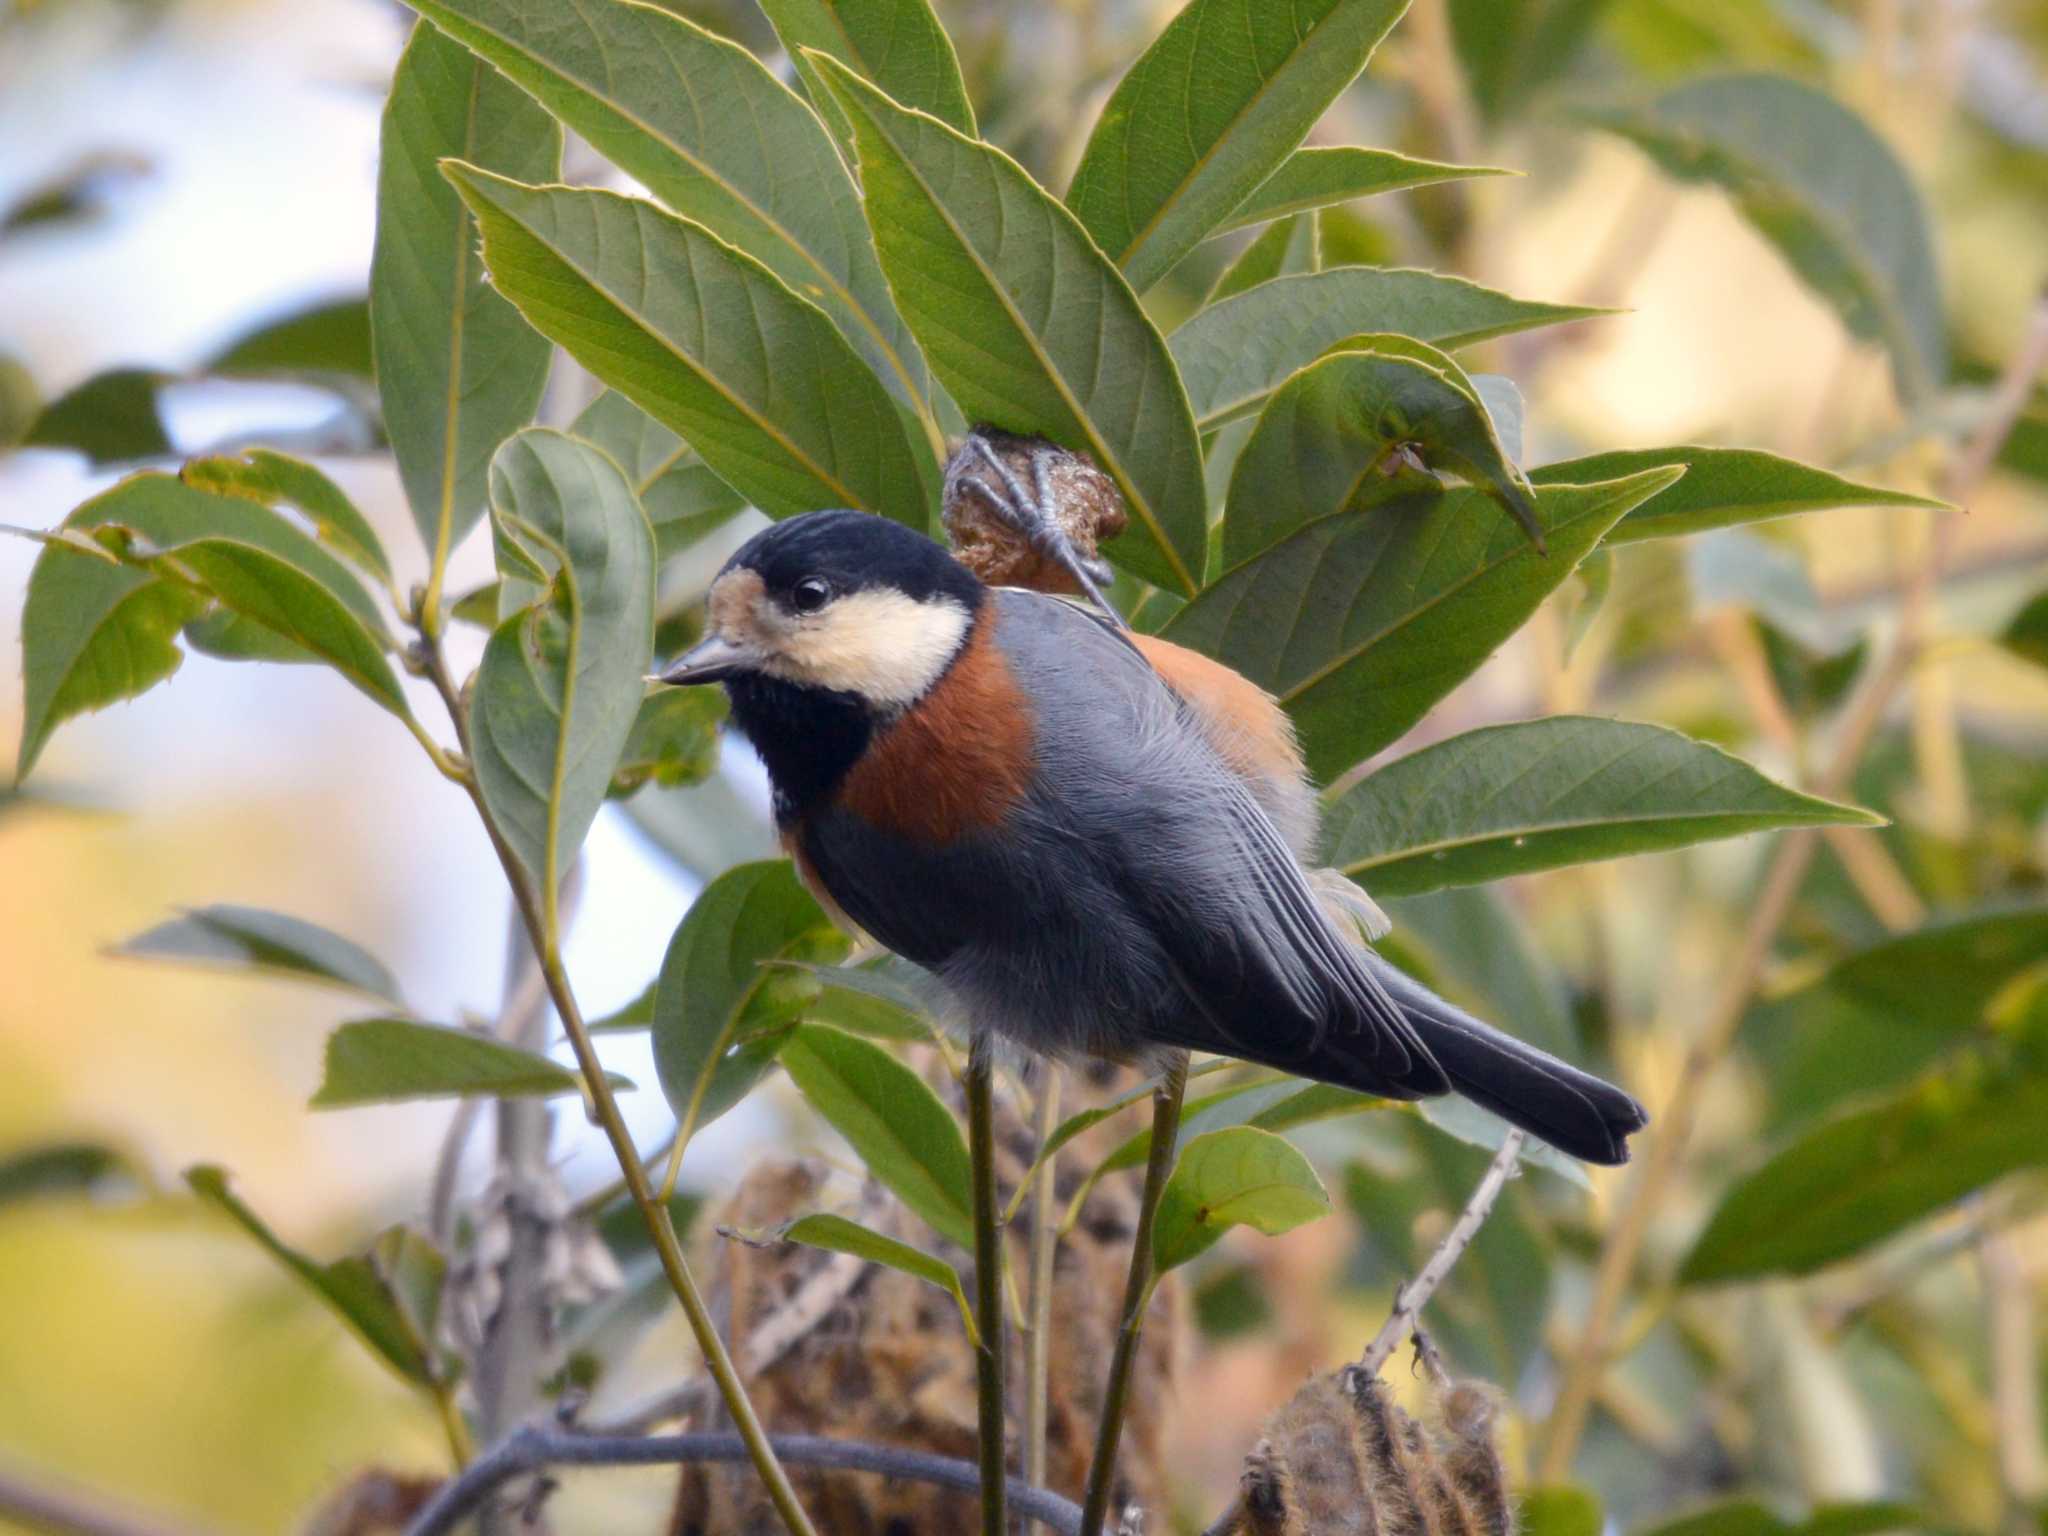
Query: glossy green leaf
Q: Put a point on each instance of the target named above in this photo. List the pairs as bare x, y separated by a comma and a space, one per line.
1359, 624
891, 1117
1748, 1517
112, 418
674, 740
69, 1170
251, 939
682, 498
266, 477
94, 631
720, 985
711, 132
1885, 1012
1284, 248
385, 1060
707, 341
1327, 435
1511, 799
886, 999
1234, 354
1241, 1176
704, 829
1821, 186
2027, 634
1272, 1104
331, 337
1210, 111
1468, 943
835, 1234
1318, 177
1562, 1509
562, 676
1025, 323
1722, 487
1860, 1178
897, 44
456, 368
352, 1287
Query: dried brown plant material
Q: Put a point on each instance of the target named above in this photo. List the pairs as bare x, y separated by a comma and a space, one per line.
832, 1345
375, 1502
1340, 1458
1084, 502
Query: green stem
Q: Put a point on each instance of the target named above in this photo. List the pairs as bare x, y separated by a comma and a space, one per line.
988, 1283
1166, 1100
667, 1246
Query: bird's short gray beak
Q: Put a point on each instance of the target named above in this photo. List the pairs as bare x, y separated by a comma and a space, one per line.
711, 660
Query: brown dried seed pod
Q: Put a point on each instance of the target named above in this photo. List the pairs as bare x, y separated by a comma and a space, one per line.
1085, 501
1340, 1458
830, 1345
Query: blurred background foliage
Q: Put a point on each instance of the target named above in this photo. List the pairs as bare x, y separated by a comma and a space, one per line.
1840, 1296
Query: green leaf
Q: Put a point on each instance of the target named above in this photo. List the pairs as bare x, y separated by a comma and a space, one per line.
267, 478
1426, 587
352, 1287
707, 341
1025, 323
718, 987
674, 739
1748, 1517
2027, 635
1316, 178
1327, 434
112, 418
456, 368
1722, 487
1562, 1509
332, 337
1858, 1179
1460, 1119
1882, 1014
384, 1060
682, 498
562, 677
881, 999
69, 1170
891, 1117
1234, 354
1271, 1103
708, 130
1241, 1176
704, 829
94, 632
1510, 47
1472, 945
1210, 111
1511, 799
835, 1234
250, 939
1816, 182
897, 44
1282, 249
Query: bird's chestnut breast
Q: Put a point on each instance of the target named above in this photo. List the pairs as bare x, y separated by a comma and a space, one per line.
955, 762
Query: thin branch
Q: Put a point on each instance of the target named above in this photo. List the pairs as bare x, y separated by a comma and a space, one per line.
667, 1245
2015, 1381
1671, 1133
1414, 1296
39, 1506
990, 1358
532, 1449
1166, 1103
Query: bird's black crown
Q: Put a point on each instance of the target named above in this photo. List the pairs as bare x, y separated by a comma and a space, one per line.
855, 551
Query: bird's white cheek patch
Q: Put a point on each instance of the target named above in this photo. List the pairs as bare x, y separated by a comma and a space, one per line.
885, 646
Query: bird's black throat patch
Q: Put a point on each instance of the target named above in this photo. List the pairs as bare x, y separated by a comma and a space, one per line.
810, 738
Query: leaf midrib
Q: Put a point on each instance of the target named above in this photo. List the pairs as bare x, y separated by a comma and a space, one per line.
1416, 850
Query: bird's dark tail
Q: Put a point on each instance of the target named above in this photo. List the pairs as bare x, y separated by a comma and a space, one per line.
1574, 1111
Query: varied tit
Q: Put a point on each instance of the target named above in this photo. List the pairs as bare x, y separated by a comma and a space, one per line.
1058, 819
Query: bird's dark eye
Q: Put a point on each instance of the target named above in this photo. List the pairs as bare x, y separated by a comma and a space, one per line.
811, 594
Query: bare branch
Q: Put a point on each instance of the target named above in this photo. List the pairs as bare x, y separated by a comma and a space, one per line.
533, 1448
1415, 1295
39, 1506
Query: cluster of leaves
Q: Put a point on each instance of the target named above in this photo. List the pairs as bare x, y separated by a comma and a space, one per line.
826, 278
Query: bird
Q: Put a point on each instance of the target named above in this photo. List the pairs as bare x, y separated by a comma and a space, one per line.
1078, 829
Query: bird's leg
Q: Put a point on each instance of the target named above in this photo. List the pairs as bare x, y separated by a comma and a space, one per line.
1166, 1101
1032, 514
988, 1277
